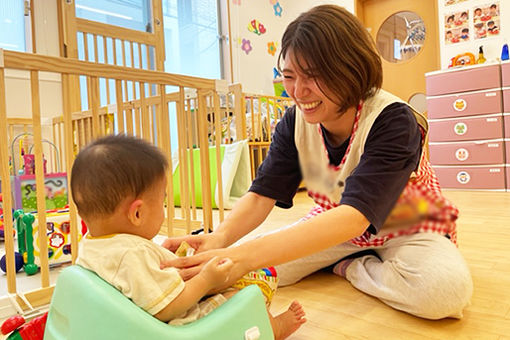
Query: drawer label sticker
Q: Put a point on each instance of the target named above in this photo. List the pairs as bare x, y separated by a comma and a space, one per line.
461, 154
459, 105
463, 177
460, 128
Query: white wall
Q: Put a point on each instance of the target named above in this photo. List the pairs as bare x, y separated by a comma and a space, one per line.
491, 45
255, 70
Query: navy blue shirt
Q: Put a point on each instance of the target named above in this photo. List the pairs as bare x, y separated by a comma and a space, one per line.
392, 152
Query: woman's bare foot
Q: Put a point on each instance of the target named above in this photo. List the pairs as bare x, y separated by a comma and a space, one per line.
288, 322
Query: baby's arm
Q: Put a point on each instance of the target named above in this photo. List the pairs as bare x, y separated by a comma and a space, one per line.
212, 275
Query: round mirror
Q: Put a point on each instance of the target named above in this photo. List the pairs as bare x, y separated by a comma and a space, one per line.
401, 37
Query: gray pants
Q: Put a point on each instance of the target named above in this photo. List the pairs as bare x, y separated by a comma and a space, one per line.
422, 274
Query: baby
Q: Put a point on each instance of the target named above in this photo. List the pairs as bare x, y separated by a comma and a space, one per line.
118, 184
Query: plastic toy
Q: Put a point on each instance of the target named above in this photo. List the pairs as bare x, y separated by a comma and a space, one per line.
279, 89
23, 178
55, 186
464, 59
58, 231
82, 299
33, 330
1, 218
25, 244
504, 52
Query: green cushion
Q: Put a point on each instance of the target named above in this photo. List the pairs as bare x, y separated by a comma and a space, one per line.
84, 306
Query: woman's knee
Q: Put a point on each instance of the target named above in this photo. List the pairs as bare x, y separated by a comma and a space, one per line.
446, 295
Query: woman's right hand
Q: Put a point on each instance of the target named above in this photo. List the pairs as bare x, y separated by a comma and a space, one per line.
200, 242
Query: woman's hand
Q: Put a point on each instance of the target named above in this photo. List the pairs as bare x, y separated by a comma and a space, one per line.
200, 242
190, 266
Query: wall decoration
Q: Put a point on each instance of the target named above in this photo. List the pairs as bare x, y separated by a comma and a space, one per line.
246, 46
273, 2
278, 9
236, 2
486, 20
456, 27
452, 2
256, 27
271, 48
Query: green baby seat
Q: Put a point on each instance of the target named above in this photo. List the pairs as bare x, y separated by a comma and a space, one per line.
86, 307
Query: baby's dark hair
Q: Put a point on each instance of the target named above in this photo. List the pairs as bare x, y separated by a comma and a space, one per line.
112, 168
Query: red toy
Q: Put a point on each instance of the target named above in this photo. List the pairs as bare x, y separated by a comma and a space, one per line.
33, 330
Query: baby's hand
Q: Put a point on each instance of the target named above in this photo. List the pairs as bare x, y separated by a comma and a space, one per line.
216, 271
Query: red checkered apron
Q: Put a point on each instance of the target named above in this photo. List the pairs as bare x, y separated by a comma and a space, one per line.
420, 208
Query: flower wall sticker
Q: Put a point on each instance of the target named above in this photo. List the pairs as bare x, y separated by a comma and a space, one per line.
246, 46
278, 9
273, 2
256, 27
271, 48
236, 2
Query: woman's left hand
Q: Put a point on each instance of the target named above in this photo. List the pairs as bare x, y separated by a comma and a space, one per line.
190, 266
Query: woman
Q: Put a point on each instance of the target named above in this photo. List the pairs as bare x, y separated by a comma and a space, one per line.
380, 220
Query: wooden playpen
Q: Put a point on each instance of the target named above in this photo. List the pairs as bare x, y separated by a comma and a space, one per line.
173, 117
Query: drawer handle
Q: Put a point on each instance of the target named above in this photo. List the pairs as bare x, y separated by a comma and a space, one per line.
463, 177
459, 105
460, 128
461, 154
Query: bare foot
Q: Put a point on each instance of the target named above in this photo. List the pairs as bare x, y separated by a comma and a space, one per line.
289, 321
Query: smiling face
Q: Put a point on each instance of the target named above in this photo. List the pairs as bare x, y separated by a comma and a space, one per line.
329, 62
317, 107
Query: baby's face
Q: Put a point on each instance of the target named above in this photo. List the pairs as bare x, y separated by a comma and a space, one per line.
155, 199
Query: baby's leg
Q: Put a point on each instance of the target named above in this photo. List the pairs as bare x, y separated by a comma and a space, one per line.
287, 322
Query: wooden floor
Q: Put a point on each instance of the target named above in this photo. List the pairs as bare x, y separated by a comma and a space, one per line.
336, 310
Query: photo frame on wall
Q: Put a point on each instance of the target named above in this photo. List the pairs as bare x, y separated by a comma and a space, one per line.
486, 20
456, 27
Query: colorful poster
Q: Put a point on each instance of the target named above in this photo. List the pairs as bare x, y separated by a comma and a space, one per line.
452, 2
486, 21
456, 27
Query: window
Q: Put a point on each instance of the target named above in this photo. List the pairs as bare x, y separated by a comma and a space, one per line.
132, 14
12, 26
192, 44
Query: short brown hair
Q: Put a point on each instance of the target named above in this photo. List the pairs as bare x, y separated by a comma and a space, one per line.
112, 168
339, 53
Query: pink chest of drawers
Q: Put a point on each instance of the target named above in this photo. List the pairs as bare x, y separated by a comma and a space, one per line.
467, 127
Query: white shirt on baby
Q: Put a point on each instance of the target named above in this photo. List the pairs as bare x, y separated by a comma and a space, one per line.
131, 263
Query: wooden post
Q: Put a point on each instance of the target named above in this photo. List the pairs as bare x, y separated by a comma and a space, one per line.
39, 179
94, 105
68, 142
6, 186
120, 105
218, 131
166, 146
183, 160
204, 161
